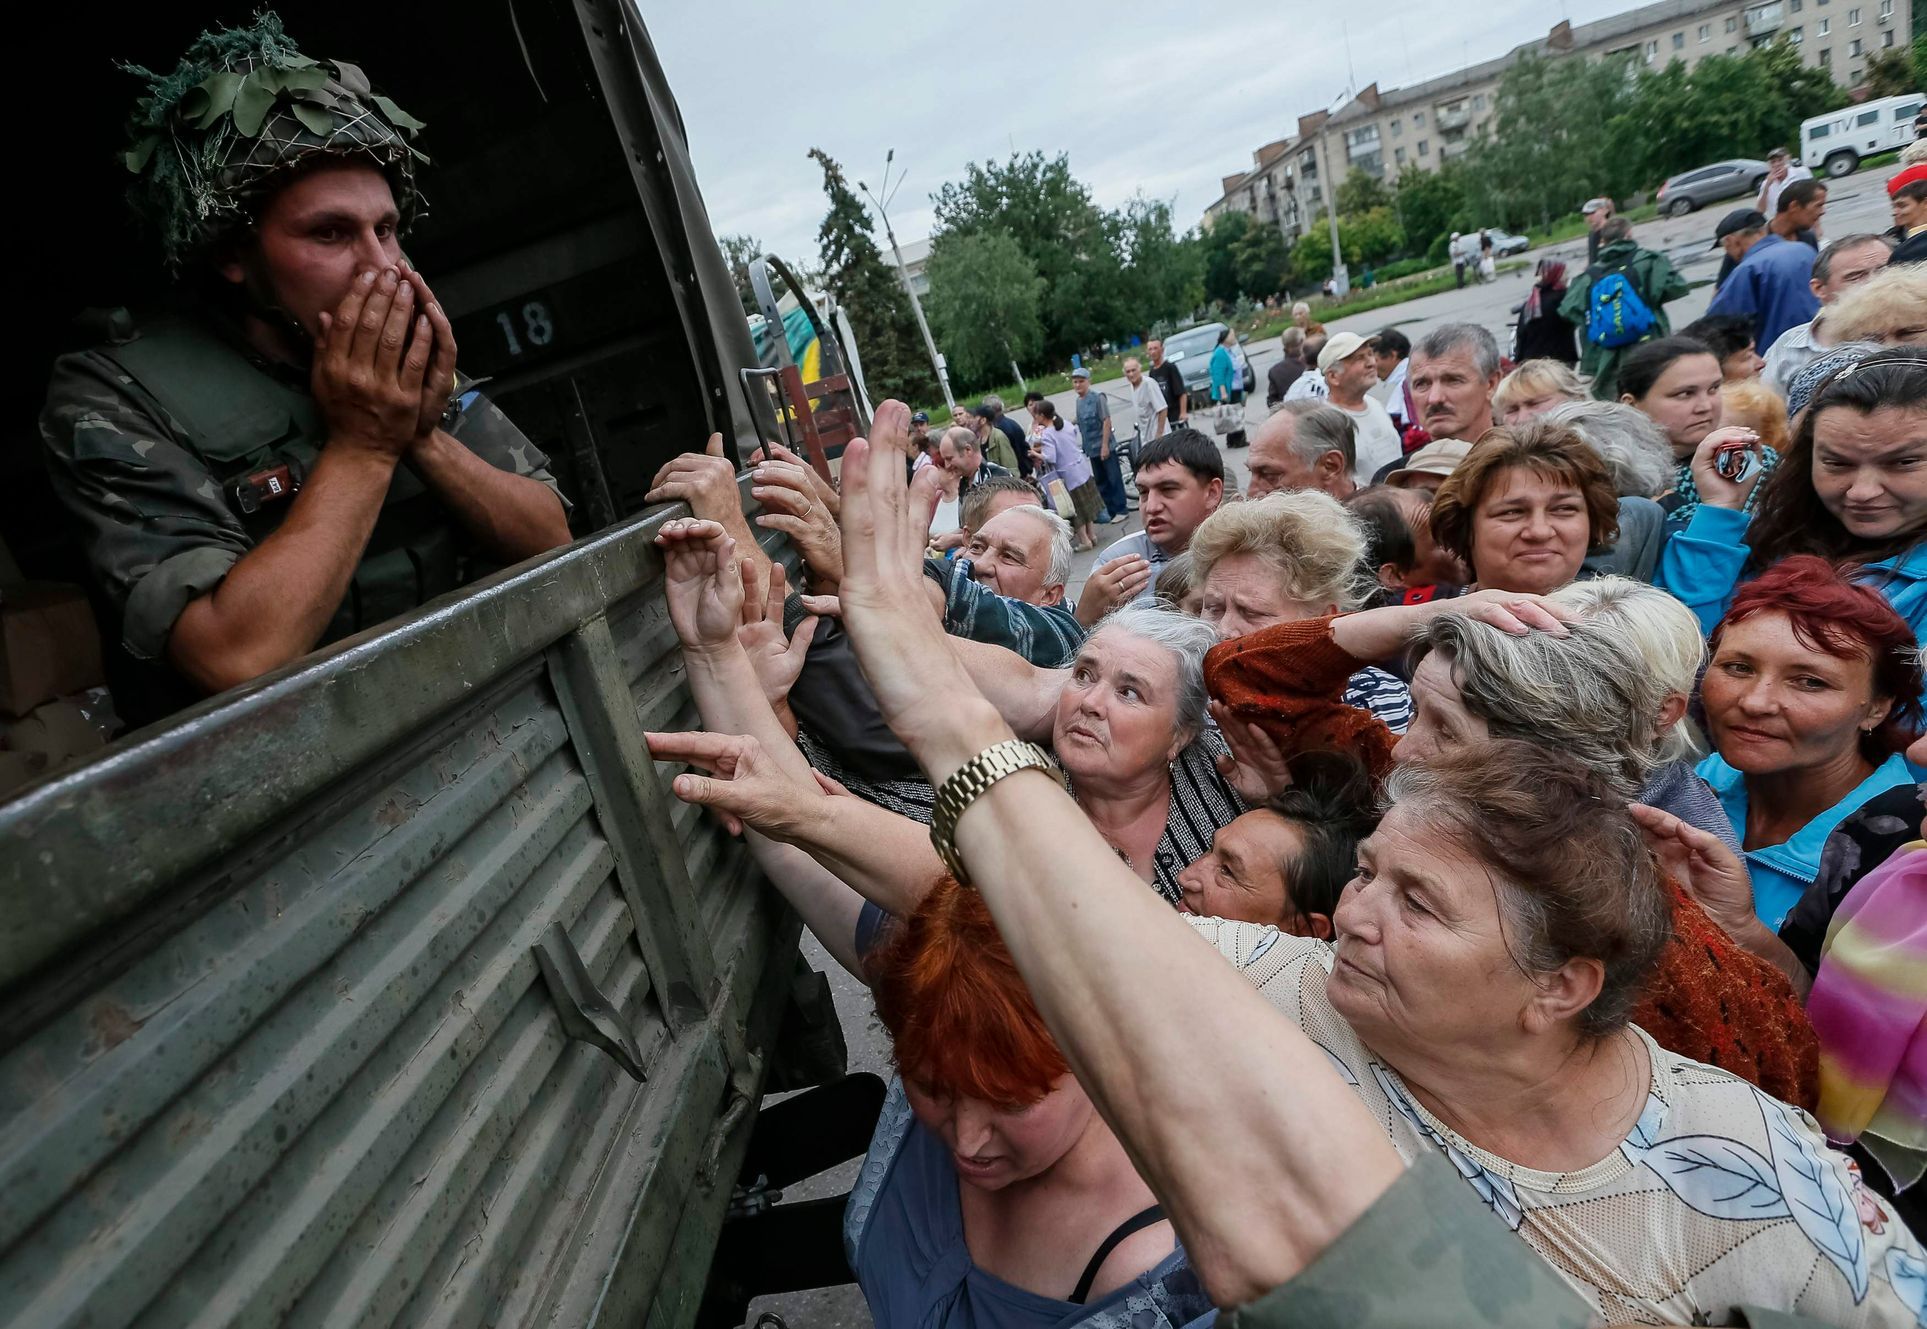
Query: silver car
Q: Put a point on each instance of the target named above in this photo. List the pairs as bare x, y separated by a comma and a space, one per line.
1690, 190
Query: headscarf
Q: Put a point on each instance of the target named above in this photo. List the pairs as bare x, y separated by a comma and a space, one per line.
1808, 381
242, 107
1549, 279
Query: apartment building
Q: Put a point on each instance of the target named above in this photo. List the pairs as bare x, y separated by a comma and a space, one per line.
1418, 127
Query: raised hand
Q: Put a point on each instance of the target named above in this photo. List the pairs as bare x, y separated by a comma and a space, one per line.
702, 583
370, 362
1117, 582
1255, 766
1703, 865
825, 491
704, 480
778, 660
792, 506
1715, 488
745, 785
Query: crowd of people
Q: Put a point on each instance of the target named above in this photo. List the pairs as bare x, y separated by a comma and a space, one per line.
1537, 751
1472, 875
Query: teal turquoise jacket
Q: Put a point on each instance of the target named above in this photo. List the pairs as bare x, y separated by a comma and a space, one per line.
1782, 872
1225, 378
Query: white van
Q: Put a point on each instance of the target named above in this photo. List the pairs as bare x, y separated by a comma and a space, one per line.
1833, 144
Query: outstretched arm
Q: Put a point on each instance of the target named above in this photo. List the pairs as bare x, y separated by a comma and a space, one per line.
1310, 1158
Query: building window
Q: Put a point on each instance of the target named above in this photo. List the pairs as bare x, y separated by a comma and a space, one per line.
1826, 26
1853, 18
1733, 23
1853, 48
1679, 41
1826, 57
1397, 128
1706, 32
1886, 39
1424, 148
1478, 102
1797, 36
1418, 119
1652, 49
1886, 8
1398, 156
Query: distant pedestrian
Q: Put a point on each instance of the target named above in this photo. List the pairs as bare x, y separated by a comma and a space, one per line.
992, 442
1150, 416
1458, 259
1290, 366
1544, 332
1064, 472
1228, 389
1618, 302
1842, 265
1907, 192
1310, 386
1772, 282
1597, 212
1393, 352
1177, 402
1013, 435
1094, 432
1350, 371
1302, 320
1780, 172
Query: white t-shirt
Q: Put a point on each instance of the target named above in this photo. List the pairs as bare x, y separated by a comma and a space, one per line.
1774, 188
1308, 385
946, 518
1719, 1196
1378, 440
1147, 399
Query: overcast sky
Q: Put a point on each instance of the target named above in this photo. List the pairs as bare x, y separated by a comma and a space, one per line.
1167, 103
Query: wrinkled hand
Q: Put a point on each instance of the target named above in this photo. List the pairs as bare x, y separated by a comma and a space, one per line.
370, 362
825, 491
1255, 766
1516, 612
702, 582
1715, 488
1117, 582
791, 506
745, 785
438, 383
778, 660
1704, 867
704, 480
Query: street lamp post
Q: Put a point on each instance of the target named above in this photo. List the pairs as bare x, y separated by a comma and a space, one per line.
903, 272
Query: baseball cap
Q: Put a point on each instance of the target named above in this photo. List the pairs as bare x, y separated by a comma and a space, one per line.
1918, 171
1593, 205
1440, 459
1777, 153
1740, 219
1341, 345
919, 417
1080, 372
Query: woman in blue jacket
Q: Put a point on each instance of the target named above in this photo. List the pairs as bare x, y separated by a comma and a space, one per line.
1811, 698
1852, 489
1227, 379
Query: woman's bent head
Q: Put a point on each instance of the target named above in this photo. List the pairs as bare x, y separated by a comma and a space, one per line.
1506, 894
979, 1067
1289, 556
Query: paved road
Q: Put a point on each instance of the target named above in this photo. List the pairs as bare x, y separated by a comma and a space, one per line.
1856, 204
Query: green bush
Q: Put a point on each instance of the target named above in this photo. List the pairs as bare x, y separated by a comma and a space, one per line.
1405, 267
1440, 249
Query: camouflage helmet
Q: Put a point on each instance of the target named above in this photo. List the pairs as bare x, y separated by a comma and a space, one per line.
244, 106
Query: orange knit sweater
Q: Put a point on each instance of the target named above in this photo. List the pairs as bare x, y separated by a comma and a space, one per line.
1708, 999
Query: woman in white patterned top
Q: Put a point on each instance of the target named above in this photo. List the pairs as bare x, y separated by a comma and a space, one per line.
1503, 919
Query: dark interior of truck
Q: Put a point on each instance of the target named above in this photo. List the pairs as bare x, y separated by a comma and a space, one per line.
535, 238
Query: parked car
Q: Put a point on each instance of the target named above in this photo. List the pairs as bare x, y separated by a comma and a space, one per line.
1834, 143
1690, 190
1190, 351
1504, 244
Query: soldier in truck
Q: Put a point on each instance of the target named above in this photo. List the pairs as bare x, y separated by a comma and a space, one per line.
287, 456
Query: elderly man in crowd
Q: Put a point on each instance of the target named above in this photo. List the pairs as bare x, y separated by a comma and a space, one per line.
1170, 382
1180, 482
1290, 367
1349, 365
1150, 409
962, 452
1772, 279
1307, 445
1842, 265
1780, 172
1455, 370
1006, 586
1597, 212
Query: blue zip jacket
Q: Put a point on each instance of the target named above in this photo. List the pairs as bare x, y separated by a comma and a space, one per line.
1701, 565
1225, 378
1782, 872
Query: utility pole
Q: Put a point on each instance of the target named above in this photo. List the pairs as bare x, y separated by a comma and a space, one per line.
1341, 281
916, 307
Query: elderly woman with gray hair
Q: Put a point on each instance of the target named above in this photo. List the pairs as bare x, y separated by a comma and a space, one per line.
1598, 670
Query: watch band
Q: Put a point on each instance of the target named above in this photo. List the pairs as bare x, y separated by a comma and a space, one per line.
968, 784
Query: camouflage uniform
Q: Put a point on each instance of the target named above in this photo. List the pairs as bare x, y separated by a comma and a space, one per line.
167, 445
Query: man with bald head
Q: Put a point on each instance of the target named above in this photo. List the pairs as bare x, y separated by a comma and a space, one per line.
1306, 445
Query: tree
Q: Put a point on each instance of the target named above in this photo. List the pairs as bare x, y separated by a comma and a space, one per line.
1430, 205
1261, 260
1218, 246
1039, 204
1360, 192
739, 251
1163, 272
1892, 73
1553, 141
894, 363
986, 301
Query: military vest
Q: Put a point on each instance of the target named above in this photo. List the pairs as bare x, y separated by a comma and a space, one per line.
259, 436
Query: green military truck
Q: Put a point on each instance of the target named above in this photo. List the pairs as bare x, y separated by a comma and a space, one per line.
394, 987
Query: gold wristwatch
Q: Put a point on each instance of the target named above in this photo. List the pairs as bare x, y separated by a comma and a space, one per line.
970, 781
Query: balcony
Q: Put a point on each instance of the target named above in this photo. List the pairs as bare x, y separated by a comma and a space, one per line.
1453, 117
1764, 20
1447, 151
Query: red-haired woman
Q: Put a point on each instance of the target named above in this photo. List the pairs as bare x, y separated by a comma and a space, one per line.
1811, 698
